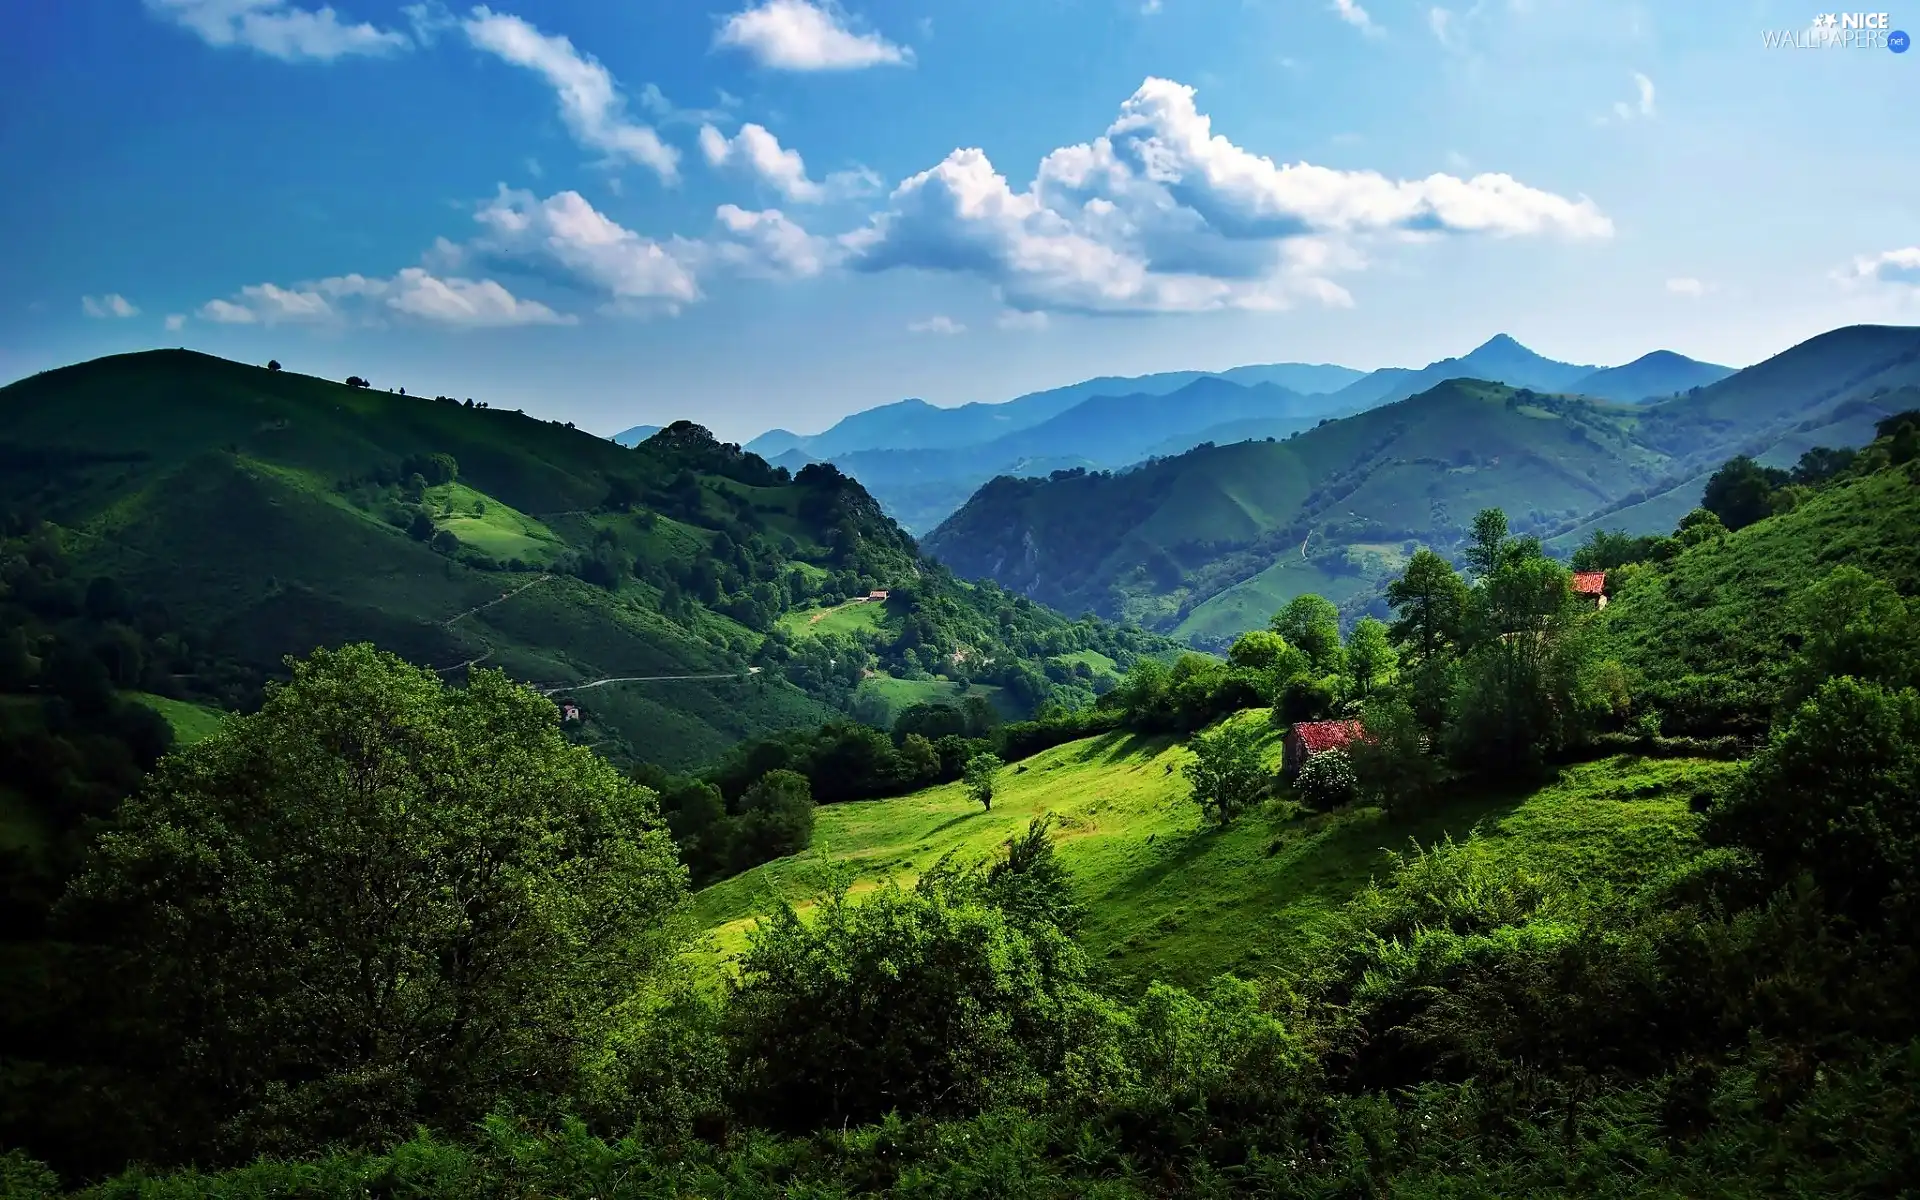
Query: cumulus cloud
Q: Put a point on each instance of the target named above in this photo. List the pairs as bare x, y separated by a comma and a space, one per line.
796, 35
759, 154
566, 240
938, 323
113, 304
280, 29
591, 104
1162, 215
413, 292
1898, 268
176, 322
767, 244
1689, 287
1351, 12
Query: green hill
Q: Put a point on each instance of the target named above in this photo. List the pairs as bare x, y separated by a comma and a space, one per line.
1155, 543
1712, 633
265, 513
1199, 544
1172, 897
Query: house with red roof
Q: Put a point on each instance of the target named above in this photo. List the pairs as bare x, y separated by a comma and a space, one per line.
1308, 738
1591, 583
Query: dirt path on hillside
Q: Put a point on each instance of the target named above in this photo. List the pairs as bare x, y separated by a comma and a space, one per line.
581, 687
496, 600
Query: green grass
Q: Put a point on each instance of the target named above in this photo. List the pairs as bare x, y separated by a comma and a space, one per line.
1169, 897
852, 617
1251, 603
1096, 662
498, 529
901, 694
190, 721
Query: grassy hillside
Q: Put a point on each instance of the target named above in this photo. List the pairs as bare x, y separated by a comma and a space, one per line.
267, 513
1156, 543
1197, 544
1170, 897
1711, 633
189, 721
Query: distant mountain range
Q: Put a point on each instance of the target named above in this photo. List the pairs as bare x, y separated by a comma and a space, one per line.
1210, 542
635, 435
922, 462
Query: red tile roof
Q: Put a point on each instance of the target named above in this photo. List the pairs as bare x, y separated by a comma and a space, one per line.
1589, 583
1326, 735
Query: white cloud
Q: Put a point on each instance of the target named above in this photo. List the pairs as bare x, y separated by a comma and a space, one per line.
565, 239
1641, 107
1898, 268
768, 245
1351, 12
1149, 7
176, 322
938, 323
1686, 286
413, 292
759, 153
590, 101
796, 35
1440, 21
1162, 215
113, 304
1013, 318
655, 101
279, 29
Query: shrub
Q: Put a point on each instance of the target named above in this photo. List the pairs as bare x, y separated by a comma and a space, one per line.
1326, 780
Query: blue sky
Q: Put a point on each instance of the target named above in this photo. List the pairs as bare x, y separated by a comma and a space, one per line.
762, 213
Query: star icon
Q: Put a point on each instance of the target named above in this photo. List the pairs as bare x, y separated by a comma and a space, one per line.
1825, 21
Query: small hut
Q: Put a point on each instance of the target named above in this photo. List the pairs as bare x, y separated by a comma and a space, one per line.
1308, 738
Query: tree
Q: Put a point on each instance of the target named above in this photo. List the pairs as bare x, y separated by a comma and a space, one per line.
1487, 543
445, 542
1313, 624
1370, 657
273, 364
979, 778
1267, 652
1700, 525
420, 527
1391, 765
929, 1002
1227, 773
1851, 623
354, 381
376, 902
1431, 600
1832, 796
1741, 492
776, 819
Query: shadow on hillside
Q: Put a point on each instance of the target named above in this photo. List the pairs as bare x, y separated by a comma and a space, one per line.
950, 822
1118, 746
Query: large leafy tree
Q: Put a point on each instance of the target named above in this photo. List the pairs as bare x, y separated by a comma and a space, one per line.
1227, 774
1430, 599
1741, 492
981, 772
376, 902
1311, 623
1371, 660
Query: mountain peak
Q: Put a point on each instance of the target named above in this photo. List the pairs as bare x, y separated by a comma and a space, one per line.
1499, 343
